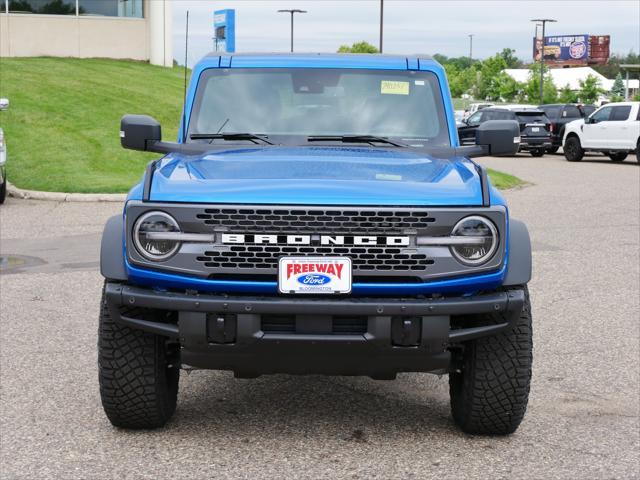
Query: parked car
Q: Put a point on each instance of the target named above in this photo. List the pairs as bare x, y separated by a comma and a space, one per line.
559, 115
534, 126
4, 104
474, 107
613, 129
358, 238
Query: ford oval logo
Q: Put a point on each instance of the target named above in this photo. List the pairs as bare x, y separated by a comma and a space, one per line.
314, 279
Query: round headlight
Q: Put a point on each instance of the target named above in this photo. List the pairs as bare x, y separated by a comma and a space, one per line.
483, 240
157, 248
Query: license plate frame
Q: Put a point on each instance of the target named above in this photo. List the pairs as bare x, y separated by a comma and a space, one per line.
315, 275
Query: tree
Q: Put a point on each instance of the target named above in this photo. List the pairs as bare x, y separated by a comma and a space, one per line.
359, 47
617, 90
507, 87
489, 71
532, 87
566, 95
508, 55
590, 89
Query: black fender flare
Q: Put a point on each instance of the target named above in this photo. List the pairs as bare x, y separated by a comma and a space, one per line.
111, 251
520, 263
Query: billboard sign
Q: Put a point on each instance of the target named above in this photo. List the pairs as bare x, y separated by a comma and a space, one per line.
581, 49
224, 30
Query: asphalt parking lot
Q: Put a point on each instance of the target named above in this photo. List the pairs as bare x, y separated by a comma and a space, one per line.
583, 416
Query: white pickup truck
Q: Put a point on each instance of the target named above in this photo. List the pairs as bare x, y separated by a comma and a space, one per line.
613, 129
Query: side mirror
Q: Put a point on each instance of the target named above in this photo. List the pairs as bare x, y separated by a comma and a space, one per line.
4, 103
501, 137
591, 120
139, 132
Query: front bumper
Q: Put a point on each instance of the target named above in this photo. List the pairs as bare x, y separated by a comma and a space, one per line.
227, 332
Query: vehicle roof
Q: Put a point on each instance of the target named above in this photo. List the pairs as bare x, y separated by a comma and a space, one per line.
621, 104
495, 109
517, 109
318, 60
565, 105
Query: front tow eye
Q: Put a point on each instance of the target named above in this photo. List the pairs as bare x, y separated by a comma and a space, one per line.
406, 331
221, 328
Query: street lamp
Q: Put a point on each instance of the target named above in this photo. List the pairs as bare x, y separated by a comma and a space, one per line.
543, 21
381, 22
292, 12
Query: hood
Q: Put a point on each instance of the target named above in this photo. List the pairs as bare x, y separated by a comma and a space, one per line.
317, 176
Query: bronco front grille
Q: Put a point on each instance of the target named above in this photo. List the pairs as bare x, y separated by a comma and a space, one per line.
246, 259
265, 257
301, 220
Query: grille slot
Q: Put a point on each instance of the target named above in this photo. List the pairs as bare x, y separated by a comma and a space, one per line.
300, 220
340, 325
265, 257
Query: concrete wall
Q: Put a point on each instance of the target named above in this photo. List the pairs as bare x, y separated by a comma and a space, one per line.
31, 35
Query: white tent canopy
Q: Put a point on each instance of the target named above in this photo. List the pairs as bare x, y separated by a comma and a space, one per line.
570, 76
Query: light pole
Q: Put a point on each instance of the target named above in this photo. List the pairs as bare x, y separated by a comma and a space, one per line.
543, 21
381, 22
292, 12
470, 48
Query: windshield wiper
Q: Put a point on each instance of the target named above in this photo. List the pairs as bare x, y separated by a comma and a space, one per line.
231, 136
371, 139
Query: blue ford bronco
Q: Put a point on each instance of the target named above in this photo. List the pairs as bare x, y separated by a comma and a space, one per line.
317, 215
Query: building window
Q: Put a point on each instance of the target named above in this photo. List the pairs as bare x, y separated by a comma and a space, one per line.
111, 8
50, 7
108, 8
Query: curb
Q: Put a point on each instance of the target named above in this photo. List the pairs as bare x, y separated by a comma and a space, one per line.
16, 192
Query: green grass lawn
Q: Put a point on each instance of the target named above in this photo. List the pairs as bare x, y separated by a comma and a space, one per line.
503, 180
62, 128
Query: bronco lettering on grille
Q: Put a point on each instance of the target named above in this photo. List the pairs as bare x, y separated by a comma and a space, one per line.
235, 238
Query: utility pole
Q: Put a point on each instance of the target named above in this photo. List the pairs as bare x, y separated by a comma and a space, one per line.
543, 21
470, 48
292, 12
381, 23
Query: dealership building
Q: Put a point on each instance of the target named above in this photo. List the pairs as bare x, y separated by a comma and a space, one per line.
125, 29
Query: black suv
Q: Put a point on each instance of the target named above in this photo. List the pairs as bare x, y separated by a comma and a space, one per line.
560, 114
535, 127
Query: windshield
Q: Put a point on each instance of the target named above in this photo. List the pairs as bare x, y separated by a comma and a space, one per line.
297, 103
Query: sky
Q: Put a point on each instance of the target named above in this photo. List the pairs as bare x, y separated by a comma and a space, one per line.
416, 26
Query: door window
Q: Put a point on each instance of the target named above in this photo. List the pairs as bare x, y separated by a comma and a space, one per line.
601, 115
571, 111
620, 113
474, 120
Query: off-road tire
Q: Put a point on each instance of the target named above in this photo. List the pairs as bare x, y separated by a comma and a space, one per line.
537, 152
617, 156
3, 191
553, 150
573, 149
489, 388
138, 387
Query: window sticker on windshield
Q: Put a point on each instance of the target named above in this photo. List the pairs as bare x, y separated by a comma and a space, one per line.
393, 87
419, 82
